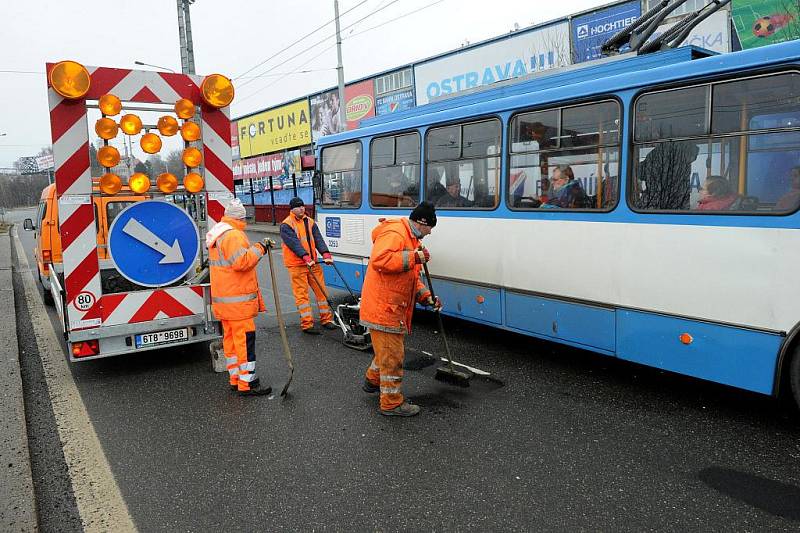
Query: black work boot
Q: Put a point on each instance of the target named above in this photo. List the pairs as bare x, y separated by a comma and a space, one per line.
256, 390
369, 387
312, 331
404, 409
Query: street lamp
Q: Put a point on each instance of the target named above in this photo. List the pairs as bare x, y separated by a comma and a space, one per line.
154, 66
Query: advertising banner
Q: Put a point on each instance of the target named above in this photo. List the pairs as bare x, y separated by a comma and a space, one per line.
762, 22
360, 99
280, 128
396, 101
325, 114
234, 140
590, 31
512, 57
712, 34
45, 162
267, 165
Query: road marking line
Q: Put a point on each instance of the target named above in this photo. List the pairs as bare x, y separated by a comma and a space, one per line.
100, 502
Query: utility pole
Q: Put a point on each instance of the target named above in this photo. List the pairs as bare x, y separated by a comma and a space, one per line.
189, 45
340, 69
185, 34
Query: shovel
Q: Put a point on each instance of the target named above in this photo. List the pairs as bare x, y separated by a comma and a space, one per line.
287, 353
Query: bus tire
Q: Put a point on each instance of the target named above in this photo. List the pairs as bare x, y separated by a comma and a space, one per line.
47, 296
794, 377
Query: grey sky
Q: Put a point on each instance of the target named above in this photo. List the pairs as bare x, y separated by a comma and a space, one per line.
230, 37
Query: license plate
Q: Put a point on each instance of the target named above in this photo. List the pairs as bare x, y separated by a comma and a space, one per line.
162, 337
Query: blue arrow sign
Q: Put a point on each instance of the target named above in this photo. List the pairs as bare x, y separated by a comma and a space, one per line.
153, 243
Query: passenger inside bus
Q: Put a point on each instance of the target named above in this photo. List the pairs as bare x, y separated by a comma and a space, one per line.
565, 192
717, 195
791, 199
452, 196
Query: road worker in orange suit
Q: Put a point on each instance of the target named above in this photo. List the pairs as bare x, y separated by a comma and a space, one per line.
236, 297
302, 244
391, 288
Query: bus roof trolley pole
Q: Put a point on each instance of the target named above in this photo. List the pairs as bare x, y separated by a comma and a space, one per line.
87, 312
673, 37
637, 33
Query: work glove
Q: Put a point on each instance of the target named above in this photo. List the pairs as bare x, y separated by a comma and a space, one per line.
327, 258
307, 260
435, 303
422, 256
267, 244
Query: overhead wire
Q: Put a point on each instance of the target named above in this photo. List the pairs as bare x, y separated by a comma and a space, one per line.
309, 34
287, 74
395, 19
304, 50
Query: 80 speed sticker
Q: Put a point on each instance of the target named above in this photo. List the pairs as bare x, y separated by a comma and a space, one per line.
84, 301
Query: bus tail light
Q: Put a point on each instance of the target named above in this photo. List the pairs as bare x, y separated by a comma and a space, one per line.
86, 348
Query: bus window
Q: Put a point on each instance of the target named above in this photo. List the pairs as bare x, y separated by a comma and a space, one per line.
672, 114
768, 102
565, 158
462, 168
756, 171
394, 171
341, 175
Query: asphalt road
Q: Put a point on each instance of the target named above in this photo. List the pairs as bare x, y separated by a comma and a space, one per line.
557, 439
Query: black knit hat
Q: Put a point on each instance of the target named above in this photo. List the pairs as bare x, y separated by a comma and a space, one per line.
296, 202
424, 213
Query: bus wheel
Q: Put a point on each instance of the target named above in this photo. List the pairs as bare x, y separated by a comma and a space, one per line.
794, 377
47, 296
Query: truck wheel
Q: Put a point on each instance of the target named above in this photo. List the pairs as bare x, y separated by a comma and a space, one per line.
794, 377
47, 296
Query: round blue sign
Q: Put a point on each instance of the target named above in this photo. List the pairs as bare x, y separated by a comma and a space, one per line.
153, 243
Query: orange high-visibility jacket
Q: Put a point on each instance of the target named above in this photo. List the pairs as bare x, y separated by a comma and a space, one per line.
392, 283
235, 294
294, 235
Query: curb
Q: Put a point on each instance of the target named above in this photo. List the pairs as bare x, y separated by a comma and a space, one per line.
17, 499
260, 227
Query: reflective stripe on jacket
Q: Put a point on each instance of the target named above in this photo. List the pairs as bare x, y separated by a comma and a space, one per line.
300, 237
392, 283
232, 262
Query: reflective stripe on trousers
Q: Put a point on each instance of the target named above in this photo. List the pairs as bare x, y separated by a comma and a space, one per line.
239, 337
386, 368
301, 280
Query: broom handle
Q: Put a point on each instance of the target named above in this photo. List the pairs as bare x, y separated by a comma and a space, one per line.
439, 316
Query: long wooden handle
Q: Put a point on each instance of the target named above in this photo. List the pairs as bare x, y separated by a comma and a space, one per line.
287, 353
439, 316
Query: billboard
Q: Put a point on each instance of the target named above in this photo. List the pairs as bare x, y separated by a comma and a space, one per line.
360, 98
267, 165
762, 22
45, 162
522, 54
325, 114
396, 101
360, 104
234, 139
590, 31
276, 129
712, 34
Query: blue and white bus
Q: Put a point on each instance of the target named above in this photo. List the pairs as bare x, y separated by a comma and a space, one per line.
645, 208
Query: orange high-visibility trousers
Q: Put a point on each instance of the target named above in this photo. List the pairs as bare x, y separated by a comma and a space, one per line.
386, 368
239, 344
301, 279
